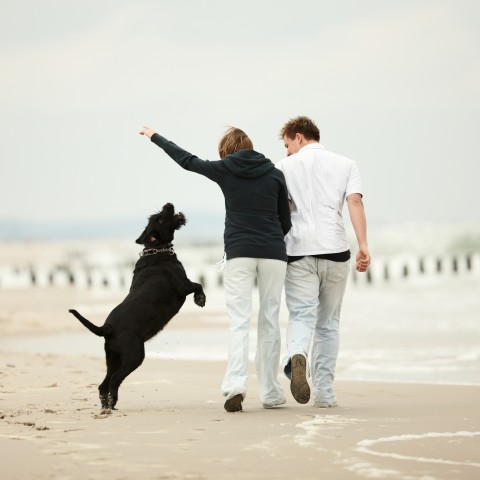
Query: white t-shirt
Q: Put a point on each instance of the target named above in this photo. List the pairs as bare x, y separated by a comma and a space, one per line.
318, 182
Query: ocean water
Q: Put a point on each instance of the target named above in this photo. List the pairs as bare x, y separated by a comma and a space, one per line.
420, 324
426, 333
388, 333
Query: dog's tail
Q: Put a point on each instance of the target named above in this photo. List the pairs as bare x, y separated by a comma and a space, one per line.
103, 331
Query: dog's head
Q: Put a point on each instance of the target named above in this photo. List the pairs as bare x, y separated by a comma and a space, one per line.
161, 227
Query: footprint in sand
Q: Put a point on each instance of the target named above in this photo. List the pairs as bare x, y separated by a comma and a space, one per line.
106, 412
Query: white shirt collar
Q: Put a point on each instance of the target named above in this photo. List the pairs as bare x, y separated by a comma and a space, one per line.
312, 146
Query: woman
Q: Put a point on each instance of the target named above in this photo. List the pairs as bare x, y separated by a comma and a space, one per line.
257, 218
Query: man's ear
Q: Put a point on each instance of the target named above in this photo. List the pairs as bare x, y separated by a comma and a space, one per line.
179, 220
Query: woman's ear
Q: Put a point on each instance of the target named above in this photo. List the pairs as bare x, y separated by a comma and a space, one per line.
179, 220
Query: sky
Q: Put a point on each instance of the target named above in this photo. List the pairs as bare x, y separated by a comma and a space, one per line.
393, 85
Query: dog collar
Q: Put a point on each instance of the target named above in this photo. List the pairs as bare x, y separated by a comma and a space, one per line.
154, 251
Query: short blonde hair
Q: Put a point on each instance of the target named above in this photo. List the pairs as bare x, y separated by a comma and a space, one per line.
233, 140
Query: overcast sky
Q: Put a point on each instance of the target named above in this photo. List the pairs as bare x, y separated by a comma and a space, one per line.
392, 85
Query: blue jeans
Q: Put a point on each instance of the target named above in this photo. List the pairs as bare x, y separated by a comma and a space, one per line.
239, 281
314, 290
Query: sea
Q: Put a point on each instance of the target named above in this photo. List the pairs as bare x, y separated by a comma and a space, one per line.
415, 318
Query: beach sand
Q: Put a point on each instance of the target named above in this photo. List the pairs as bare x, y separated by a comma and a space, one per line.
171, 425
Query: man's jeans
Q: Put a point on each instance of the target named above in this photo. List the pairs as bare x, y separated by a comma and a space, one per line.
239, 281
314, 290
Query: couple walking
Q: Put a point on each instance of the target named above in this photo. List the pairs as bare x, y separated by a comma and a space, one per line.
283, 227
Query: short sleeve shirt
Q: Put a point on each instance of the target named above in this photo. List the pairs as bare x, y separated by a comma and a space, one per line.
318, 182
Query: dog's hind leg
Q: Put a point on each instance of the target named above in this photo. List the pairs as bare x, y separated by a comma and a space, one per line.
113, 364
129, 362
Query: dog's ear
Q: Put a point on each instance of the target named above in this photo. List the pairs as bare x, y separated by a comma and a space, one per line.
141, 239
179, 220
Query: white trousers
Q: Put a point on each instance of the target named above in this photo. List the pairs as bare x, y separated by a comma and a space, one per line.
239, 281
314, 290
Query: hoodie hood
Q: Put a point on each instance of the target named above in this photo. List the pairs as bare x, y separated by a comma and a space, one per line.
247, 164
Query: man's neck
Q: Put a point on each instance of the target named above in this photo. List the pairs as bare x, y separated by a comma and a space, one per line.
307, 142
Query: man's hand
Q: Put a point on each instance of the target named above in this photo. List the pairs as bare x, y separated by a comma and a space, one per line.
359, 222
363, 259
147, 131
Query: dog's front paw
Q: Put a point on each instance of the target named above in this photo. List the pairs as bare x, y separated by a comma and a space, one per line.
200, 299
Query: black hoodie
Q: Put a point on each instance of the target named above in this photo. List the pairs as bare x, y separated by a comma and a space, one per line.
257, 214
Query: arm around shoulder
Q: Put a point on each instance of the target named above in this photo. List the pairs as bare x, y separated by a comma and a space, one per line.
283, 204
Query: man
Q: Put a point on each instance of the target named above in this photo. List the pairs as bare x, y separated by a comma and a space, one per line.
318, 183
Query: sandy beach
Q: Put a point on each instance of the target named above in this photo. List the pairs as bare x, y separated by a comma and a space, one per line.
394, 89
408, 384
170, 422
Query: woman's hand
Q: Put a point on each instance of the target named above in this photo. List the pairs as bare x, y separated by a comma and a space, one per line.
147, 131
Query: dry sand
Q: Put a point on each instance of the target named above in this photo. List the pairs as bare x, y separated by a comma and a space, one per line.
170, 422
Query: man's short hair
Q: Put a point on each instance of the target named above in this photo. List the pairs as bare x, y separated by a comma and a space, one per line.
303, 125
233, 140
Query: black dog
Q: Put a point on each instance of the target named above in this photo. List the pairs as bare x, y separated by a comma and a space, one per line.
158, 291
